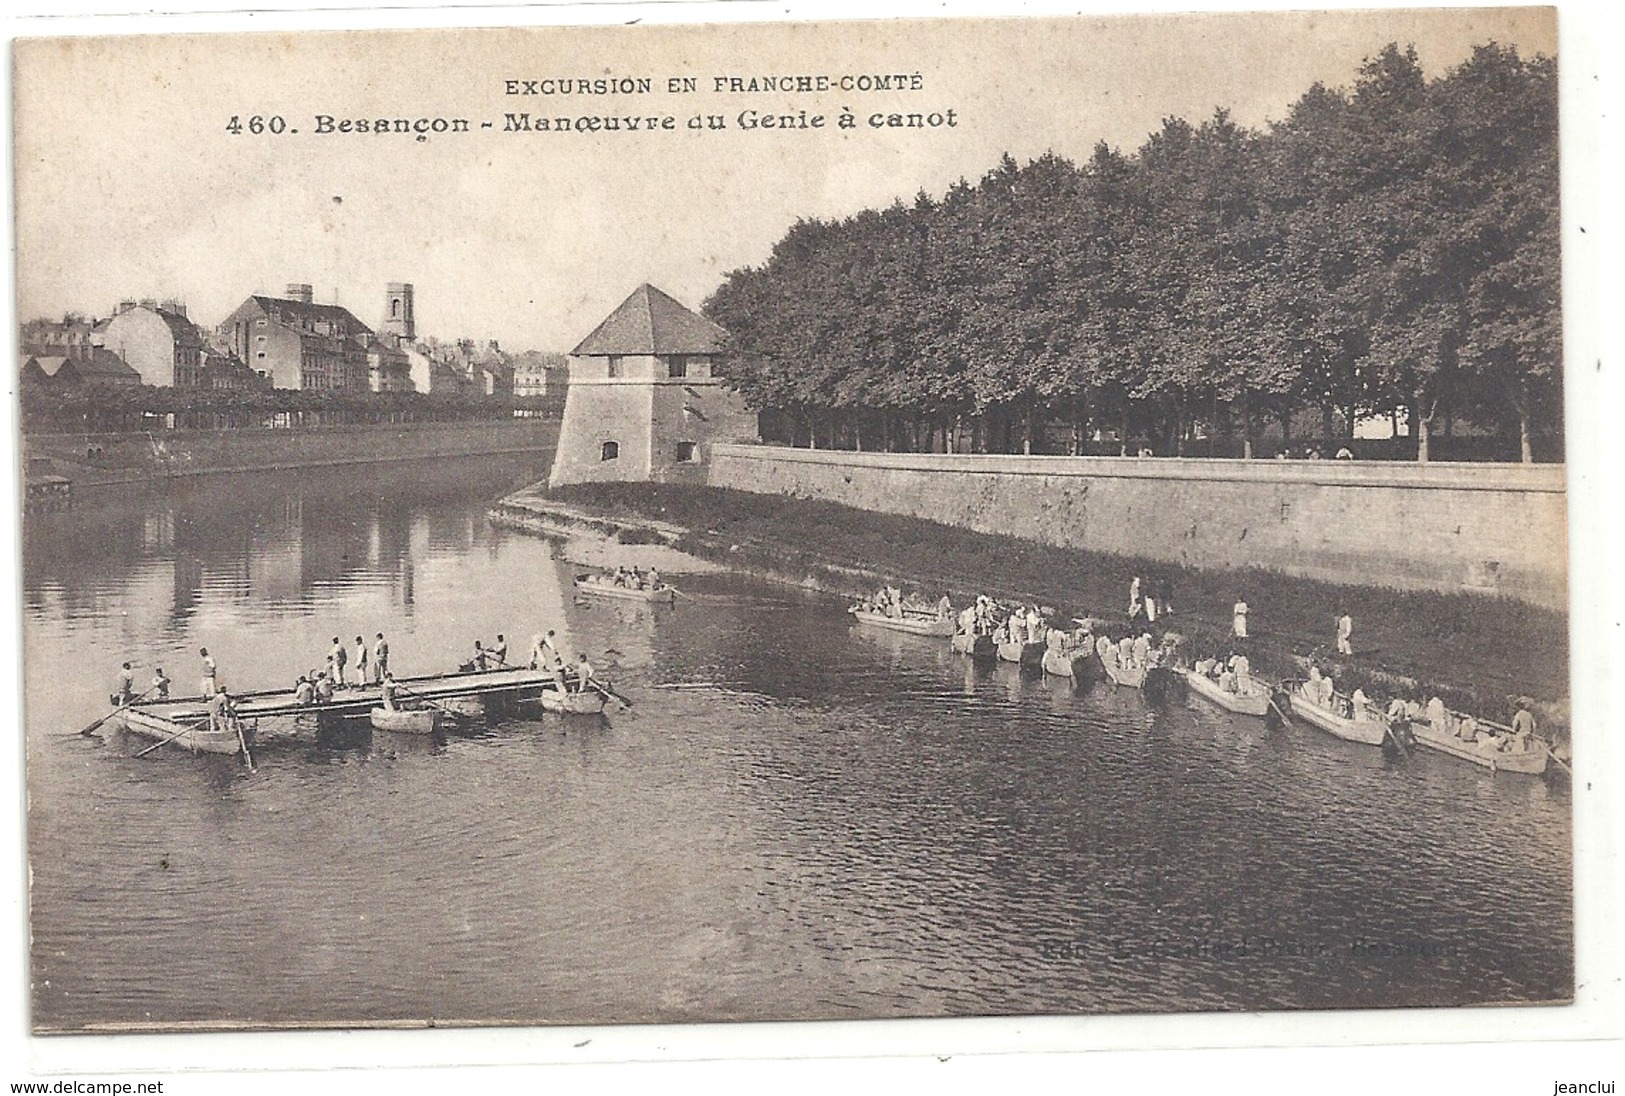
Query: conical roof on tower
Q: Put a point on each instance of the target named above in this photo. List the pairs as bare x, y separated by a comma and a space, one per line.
651, 322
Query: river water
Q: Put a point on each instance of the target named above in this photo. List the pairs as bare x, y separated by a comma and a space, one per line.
799, 818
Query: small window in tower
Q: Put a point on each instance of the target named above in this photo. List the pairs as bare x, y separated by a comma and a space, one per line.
614, 365
686, 453
677, 366
395, 308
610, 451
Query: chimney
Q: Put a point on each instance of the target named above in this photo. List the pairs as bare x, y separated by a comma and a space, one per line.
125, 305
175, 307
302, 292
148, 302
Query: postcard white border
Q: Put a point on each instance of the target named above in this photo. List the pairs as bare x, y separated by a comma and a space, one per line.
1515, 1047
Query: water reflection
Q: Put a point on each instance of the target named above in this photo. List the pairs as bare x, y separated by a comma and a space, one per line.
798, 818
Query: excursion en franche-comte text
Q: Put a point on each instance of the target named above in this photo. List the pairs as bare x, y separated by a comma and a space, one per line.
601, 105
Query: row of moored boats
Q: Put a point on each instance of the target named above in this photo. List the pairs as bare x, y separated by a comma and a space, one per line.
986, 632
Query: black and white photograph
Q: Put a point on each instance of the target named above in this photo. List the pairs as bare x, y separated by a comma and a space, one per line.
689, 522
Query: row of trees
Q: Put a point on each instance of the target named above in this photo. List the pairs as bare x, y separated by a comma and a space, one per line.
117, 408
1388, 251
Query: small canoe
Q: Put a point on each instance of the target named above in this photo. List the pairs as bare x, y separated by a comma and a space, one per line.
1131, 678
915, 624
1028, 654
406, 720
1067, 661
187, 729
977, 646
600, 587
1488, 754
1366, 729
590, 702
1253, 703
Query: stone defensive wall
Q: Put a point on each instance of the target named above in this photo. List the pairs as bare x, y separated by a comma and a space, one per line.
92, 459
1483, 528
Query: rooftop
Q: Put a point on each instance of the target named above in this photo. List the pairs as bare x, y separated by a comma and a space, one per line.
651, 322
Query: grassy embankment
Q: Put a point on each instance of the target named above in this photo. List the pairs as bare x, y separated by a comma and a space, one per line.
1476, 652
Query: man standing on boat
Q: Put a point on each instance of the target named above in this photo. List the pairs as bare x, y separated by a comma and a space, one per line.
380, 658
498, 652
360, 661
210, 674
584, 673
340, 656
219, 711
389, 692
126, 685
160, 685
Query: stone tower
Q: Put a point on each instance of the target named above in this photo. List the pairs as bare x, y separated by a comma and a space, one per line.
398, 318
644, 400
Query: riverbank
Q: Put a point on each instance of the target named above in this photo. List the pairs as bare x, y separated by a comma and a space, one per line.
98, 460
1476, 652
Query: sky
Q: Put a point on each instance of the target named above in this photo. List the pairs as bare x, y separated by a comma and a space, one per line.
531, 238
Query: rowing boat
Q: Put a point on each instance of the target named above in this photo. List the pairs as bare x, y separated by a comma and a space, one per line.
588, 703
977, 645
1256, 702
601, 587
1133, 677
1067, 661
1366, 728
188, 729
915, 624
1486, 753
1028, 654
406, 720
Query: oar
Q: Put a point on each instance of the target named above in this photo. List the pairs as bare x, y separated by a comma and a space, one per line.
609, 692
91, 729
421, 699
675, 592
1279, 714
243, 742
1393, 736
164, 742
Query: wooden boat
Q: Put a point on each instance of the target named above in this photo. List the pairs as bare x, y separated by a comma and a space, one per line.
186, 728
1131, 678
599, 586
979, 646
1488, 754
1253, 703
1367, 728
1028, 654
590, 702
462, 707
1067, 661
916, 624
406, 720
456, 689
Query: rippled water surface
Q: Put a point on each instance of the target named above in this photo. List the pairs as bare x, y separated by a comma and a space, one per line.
798, 818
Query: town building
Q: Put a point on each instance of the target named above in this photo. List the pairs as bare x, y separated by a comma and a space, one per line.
431, 374
399, 319
223, 369
297, 343
540, 376
69, 337
645, 401
94, 365
389, 368
157, 340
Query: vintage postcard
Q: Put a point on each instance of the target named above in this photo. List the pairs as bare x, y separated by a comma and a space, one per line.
811, 520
